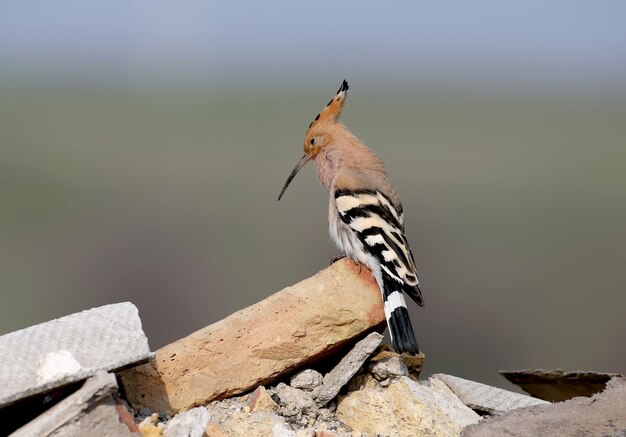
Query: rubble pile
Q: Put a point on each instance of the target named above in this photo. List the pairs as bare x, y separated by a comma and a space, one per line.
307, 361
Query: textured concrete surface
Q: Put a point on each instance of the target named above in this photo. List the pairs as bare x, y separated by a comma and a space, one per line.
70, 349
90, 411
261, 343
485, 398
604, 414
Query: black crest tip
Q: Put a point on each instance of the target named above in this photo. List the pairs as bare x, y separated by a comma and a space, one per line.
344, 87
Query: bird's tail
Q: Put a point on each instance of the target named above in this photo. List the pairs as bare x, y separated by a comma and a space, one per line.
397, 315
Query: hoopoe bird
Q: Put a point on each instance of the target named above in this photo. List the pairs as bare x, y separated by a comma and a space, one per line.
365, 215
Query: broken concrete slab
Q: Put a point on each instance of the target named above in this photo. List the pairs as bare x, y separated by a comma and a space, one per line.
70, 349
404, 408
346, 369
484, 398
603, 414
558, 385
92, 410
259, 344
190, 423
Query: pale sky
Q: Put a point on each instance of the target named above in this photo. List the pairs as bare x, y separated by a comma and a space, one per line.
578, 42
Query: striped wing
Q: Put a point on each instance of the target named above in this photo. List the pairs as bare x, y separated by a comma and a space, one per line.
380, 228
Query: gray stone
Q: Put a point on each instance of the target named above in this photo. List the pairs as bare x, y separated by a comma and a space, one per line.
190, 423
601, 415
89, 411
482, 397
70, 349
296, 404
347, 367
306, 380
391, 367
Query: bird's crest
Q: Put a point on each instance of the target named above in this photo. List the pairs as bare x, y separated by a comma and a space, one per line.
332, 110
316, 139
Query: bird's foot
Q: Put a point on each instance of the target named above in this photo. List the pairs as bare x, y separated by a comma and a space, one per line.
336, 258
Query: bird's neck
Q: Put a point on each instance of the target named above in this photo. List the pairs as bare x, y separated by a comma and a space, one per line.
354, 157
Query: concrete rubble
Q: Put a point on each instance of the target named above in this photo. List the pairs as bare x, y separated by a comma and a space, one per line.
603, 414
307, 379
91, 408
404, 408
391, 367
317, 370
413, 363
487, 399
70, 349
342, 373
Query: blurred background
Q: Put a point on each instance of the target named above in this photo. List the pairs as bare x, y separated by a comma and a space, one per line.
143, 145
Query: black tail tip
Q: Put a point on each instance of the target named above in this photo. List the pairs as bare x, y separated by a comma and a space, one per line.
344, 87
404, 347
402, 335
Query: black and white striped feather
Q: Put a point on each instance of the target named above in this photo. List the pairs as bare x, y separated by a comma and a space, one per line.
378, 226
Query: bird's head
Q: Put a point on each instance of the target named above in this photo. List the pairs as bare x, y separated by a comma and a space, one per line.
322, 131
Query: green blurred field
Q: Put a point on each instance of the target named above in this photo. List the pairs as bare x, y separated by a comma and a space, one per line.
515, 206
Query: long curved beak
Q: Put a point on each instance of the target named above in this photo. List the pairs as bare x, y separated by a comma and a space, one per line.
294, 172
